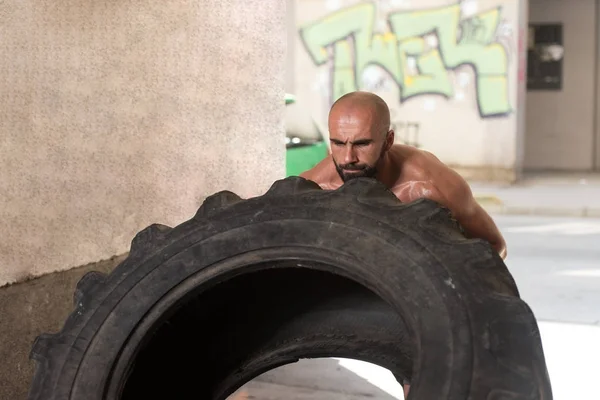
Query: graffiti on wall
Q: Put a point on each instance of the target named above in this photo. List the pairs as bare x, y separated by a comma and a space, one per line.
417, 50
407, 132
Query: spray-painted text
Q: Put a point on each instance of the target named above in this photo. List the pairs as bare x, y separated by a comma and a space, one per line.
417, 51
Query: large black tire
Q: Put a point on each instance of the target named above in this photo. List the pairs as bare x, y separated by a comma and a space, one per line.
248, 285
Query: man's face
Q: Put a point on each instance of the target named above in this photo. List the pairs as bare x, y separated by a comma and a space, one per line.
358, 142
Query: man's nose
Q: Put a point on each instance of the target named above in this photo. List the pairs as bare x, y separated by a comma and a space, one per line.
350, 154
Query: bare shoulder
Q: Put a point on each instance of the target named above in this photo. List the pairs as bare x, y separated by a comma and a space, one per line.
430, 166
419, 158
323, 173
414, 163
317, 171
425, 166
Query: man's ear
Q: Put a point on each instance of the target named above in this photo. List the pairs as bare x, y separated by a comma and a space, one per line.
389, 139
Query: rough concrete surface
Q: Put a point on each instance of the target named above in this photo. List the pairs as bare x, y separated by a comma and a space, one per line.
565, 195
28, 309
118, 114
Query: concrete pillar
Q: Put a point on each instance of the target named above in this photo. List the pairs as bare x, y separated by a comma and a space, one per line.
596, 139
290, 25
521, 88
115, 115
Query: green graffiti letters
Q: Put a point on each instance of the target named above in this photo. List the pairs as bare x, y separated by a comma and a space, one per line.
417, 52
334, 33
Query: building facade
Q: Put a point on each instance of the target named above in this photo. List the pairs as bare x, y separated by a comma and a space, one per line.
492, 87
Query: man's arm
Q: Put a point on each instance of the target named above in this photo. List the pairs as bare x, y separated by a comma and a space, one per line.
478, 223
321, 173
456, 194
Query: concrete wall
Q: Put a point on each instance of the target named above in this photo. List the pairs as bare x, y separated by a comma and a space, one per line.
290, 27
116, 115
596, 140
560, 124
522, 88
28, 309
458, 100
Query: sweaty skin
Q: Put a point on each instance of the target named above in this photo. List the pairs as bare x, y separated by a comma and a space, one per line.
363, 145
412, 174
360, 138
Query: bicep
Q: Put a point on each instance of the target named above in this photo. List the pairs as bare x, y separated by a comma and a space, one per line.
456, 195
450, 189
470, 215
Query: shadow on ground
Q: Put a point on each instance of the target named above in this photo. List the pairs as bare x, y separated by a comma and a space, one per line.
322, 378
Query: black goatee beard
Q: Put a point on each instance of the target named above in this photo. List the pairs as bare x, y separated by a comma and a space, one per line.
358, 171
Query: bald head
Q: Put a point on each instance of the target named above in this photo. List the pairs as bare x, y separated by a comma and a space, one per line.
364, 105
360, 135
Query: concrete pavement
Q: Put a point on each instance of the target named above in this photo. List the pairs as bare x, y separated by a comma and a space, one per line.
567, 195
556, 264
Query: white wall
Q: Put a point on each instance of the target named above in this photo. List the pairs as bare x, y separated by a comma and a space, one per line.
467, 116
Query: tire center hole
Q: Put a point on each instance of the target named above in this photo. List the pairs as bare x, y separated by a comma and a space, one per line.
258, 325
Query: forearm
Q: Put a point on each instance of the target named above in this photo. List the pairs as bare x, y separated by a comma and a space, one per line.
454, 193
481, 225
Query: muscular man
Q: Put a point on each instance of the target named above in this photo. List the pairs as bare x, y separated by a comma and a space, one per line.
362, 145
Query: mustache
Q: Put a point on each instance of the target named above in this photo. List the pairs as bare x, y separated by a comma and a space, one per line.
352, 167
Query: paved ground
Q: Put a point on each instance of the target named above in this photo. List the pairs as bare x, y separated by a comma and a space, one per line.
556, 263
569, 195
